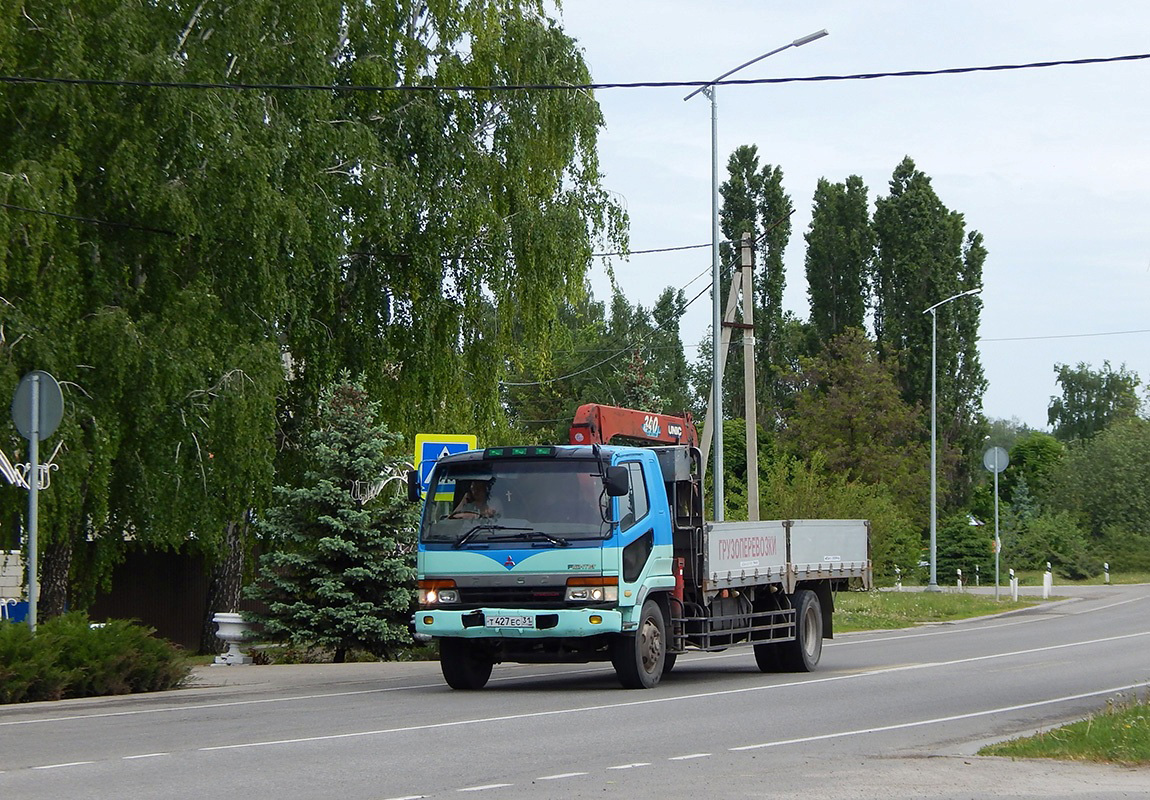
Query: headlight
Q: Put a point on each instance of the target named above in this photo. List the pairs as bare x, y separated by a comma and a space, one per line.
588, 589
437, 592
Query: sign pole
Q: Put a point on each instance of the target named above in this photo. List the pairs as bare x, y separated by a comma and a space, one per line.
37, 408
996, 460
33, 501
997, 540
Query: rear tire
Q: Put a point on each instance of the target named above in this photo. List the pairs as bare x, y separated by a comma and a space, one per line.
802, 654
639, 658
464, 664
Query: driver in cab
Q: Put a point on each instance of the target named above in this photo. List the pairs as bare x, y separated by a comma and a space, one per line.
476, 503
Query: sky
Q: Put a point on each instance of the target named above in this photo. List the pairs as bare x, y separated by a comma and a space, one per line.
1051, 165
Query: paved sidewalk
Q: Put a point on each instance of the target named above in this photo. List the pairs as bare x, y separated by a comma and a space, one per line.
315, 677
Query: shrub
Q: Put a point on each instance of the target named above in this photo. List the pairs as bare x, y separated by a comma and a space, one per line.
27, 670
69, 657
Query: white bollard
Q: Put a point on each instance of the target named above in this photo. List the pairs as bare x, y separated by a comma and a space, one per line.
1047, 582
1013, 587
1106, 572
897, 579
960, 580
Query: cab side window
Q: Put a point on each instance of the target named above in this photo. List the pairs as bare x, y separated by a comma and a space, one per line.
635, 505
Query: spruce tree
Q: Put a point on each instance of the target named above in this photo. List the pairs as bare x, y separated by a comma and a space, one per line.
341, 571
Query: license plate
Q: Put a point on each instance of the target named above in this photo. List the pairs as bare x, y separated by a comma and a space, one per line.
510, 622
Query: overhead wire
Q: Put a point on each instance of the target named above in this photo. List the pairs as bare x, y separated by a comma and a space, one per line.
238, 86
522, 87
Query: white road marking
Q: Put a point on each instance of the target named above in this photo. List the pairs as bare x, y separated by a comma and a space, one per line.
69, 764
688, 758
561, 776
485, 788
738, 653
631, 766
673, 699
146, 755
937, 720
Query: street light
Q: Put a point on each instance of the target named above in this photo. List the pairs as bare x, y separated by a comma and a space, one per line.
932, 585
716, 305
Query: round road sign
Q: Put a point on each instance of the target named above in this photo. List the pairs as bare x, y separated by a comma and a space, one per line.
995, 459
51, 405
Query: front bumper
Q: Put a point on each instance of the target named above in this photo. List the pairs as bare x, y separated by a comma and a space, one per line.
547, 624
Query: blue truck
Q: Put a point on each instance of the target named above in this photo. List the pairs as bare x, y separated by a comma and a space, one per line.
599, 552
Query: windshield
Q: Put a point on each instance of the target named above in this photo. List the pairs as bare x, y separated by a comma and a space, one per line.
538, 502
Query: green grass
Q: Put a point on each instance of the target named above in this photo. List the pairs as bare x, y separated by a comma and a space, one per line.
1119, 734
867, 611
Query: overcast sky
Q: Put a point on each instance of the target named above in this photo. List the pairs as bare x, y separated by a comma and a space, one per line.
1051, 165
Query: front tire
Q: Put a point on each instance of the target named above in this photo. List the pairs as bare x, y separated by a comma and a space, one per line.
639, 658
802, 654
464, 664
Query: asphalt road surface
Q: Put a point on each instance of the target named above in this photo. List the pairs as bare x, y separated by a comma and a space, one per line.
894, 714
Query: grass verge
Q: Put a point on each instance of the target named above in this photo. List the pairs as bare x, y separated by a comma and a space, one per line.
868, 611
1119, 734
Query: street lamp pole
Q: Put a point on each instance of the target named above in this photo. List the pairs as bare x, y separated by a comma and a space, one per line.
716, 303
932, 585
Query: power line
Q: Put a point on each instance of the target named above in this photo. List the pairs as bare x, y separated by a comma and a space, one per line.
729, 265
1062, 336
523, 87
654, 250
89, 220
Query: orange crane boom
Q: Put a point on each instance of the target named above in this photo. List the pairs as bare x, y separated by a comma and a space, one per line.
598, 424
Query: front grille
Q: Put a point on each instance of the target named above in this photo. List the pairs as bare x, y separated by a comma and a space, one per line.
513, 596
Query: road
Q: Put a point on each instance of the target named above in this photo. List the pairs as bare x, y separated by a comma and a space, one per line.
894, 713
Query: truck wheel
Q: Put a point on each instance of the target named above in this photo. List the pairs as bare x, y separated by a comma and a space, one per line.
464, 664
802, 654
767, 657
639, 657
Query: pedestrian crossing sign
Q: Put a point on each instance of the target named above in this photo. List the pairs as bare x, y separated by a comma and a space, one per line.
430, 447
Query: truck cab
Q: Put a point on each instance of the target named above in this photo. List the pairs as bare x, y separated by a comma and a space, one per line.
576, 541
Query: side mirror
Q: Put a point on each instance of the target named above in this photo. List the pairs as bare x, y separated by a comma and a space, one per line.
617, 481
414, 488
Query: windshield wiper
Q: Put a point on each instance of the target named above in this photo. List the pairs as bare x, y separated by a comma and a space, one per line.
530, 534
483, 526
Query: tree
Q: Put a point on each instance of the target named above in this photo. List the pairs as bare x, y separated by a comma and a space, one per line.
840, 252
1105, 478
341, 572
755, 202
849, 409
923, 257
963, 546
792, 488
632, 357
1092, 399
172, 254
147, 221
1033, 458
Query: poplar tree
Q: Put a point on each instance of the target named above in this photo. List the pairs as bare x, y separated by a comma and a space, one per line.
840, 254
923, 257
755, 202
